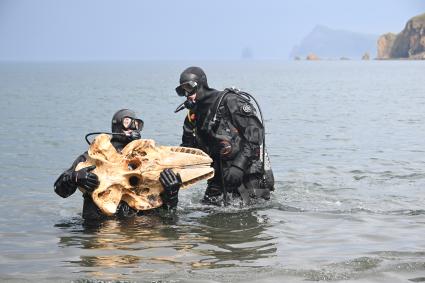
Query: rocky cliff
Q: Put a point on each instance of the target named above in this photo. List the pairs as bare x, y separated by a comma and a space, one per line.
408, 44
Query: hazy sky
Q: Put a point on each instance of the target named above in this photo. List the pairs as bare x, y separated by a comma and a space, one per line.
183, 29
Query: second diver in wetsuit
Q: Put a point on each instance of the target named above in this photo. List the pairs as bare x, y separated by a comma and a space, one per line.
128, 127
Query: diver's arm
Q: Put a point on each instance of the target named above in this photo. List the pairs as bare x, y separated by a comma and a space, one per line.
188, 137
251, 131
64, 185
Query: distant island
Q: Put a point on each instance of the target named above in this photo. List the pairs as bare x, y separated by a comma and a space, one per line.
408, 44
326, 43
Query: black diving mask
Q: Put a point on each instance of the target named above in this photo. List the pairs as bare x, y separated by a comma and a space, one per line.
187, 88
129, 123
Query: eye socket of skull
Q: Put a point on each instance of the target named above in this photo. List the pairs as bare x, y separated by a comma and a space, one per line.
134, 181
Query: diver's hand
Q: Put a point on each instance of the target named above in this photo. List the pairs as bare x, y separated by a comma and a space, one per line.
234, 176
85, 178
135, 135
171, 183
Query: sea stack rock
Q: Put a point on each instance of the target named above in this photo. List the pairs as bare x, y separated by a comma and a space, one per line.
312, 57
366, 56
385, 44
408, 44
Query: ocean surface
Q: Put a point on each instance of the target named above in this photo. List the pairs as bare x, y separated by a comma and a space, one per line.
346, 141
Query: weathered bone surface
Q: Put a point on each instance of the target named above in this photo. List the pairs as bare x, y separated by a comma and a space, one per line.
133, 174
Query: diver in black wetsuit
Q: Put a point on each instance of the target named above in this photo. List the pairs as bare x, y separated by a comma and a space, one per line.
125, 122
225, 125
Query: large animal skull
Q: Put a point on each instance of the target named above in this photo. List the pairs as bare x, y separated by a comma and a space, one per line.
133, 174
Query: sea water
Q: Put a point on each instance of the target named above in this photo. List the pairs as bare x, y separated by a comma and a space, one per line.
345, 139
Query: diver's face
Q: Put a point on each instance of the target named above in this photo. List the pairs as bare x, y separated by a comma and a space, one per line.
126, 122
187, 89
192, 97
129, 125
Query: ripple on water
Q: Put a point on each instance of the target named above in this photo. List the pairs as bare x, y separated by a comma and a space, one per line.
347, 156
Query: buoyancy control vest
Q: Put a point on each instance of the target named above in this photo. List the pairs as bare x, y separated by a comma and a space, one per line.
219, 124
228, 141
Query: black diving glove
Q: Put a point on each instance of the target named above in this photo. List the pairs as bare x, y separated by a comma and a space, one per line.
234, 176
86, 179
171, 183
